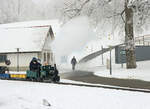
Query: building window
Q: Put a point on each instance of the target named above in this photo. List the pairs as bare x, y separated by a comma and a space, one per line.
51, 57
48, 58
44, 57
3, 58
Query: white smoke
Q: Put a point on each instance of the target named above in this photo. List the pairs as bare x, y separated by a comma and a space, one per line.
72, 38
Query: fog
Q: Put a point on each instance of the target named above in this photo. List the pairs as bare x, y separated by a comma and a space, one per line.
72, 38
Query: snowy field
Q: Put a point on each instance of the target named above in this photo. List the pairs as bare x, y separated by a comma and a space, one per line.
142, 72
28, 95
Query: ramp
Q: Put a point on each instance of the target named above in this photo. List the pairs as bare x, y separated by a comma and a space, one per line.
141, 40
97, 53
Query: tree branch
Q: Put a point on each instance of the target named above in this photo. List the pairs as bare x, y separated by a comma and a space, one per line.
78, 10
122, 15
117, 14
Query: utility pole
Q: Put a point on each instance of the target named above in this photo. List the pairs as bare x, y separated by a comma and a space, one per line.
110, 62
102, 56
17, 59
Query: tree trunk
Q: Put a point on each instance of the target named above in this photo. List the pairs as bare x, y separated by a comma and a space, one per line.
129, 37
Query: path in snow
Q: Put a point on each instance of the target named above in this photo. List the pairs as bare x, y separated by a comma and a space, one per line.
89, 77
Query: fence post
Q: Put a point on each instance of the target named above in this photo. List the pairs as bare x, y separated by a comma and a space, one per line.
102, 56
143, 41
110, 62
17, 59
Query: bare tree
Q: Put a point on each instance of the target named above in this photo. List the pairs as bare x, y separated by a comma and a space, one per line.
7, 11
131, 15
23, 10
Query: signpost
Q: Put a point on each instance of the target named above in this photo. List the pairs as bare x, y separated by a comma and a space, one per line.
110, 61
102, 56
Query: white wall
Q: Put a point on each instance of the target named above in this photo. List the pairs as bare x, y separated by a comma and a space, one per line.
24, 59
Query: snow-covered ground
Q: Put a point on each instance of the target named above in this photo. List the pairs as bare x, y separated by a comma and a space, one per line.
29, 95
142, 72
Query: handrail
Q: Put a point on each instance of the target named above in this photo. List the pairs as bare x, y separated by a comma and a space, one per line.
100, 52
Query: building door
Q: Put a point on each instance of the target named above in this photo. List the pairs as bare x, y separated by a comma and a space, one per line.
48, 58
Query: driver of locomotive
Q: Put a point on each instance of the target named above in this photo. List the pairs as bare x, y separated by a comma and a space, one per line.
35, 65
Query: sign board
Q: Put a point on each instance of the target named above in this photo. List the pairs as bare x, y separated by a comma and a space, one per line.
64, 59
123, 52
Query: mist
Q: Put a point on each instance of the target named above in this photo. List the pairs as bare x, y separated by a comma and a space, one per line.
72, 38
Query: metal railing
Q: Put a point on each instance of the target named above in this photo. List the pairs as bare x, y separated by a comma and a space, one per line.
141, 40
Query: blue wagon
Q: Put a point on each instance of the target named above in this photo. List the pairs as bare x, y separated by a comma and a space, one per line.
4, 76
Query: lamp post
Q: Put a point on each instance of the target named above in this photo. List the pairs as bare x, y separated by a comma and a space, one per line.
110, 61
17, 59
102, 56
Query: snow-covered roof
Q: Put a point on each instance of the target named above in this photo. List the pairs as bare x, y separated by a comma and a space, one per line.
28, 36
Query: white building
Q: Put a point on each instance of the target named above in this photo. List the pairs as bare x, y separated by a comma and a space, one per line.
32, 39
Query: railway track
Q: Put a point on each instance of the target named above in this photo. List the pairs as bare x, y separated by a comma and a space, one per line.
107, 87
88, 85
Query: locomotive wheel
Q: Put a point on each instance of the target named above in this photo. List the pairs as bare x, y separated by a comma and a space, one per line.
39, 79
33, 79
56, 79
28, 79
